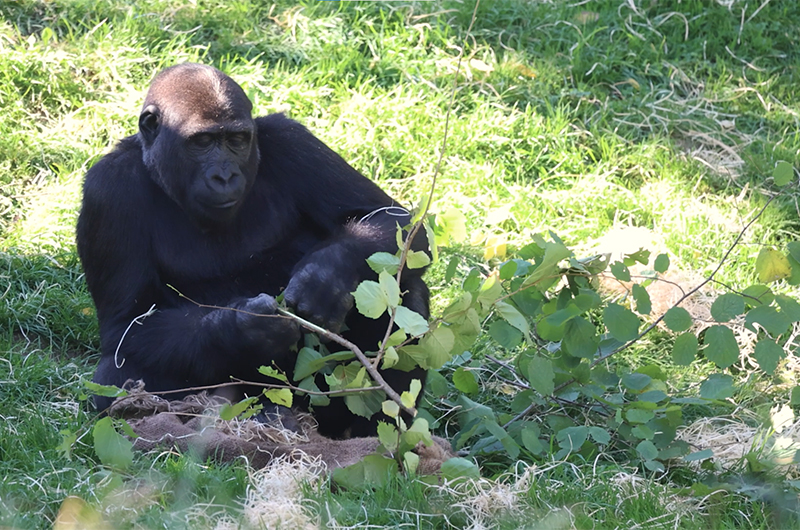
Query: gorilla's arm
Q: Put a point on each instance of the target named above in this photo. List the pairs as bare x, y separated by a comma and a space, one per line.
356, 216
179, 342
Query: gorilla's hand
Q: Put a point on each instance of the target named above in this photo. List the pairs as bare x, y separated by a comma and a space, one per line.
320, 289
266, 333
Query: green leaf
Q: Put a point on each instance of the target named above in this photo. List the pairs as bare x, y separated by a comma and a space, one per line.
768, 354
528, 301
620, 271
113, 449
452, 267
315, 400
530, 438
464, 380
549, 332
390, 408
409, 397
635, 381
647, 450
699, 455
459, 468
68, 439
508, 269
511, 447
390, 288
437, 345
365, 404
639, 415
572, 438
717, 386
390, 358
640, 294
727, 307
654, 465
273, 373
388, 436
451, 225
279, 396
418, 432
472, 281
678, 319
580, 338
505, 335
794, 279
789, 307
104, 390
305, 364
410, 321
416, 259
795, 397
685, 349
661, 264
343, 375
433, 350
229, 411
383, 261
721, 346
562, 316
371, 471
548, 268
622, 324
599, 435
783, 173
491, 289
432, 240
587, 300
643, 432
511, 314
769, 318
541, 376
772, 265
370, 299
410, 462
758, 295
642, 256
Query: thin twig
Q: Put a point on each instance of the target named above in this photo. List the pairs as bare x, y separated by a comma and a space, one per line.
239, 382
437, 170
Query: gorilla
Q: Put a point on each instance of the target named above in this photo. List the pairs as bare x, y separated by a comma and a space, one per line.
231, 211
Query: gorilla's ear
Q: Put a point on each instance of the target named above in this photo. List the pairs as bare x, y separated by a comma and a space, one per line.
148, 123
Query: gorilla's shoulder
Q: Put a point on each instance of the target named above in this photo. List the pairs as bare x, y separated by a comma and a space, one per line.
119, 172
277, 126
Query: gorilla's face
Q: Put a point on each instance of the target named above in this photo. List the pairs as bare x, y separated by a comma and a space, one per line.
200, 143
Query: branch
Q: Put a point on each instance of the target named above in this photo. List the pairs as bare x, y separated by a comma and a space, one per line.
437, 170
363, 359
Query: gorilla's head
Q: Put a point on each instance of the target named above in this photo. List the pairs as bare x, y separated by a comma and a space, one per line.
199, 141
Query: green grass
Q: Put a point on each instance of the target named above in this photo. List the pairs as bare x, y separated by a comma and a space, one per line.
573, 118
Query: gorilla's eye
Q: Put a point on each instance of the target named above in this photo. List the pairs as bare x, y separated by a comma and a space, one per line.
239, 140
202, 140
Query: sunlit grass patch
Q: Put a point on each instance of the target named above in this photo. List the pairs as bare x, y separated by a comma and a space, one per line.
580, 118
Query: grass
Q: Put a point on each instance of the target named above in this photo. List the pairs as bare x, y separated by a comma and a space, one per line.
568, 116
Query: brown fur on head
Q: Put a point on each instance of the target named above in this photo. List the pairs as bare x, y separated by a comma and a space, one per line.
192, 96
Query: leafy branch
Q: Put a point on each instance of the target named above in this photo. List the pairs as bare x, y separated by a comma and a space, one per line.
338, 339
658, 320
